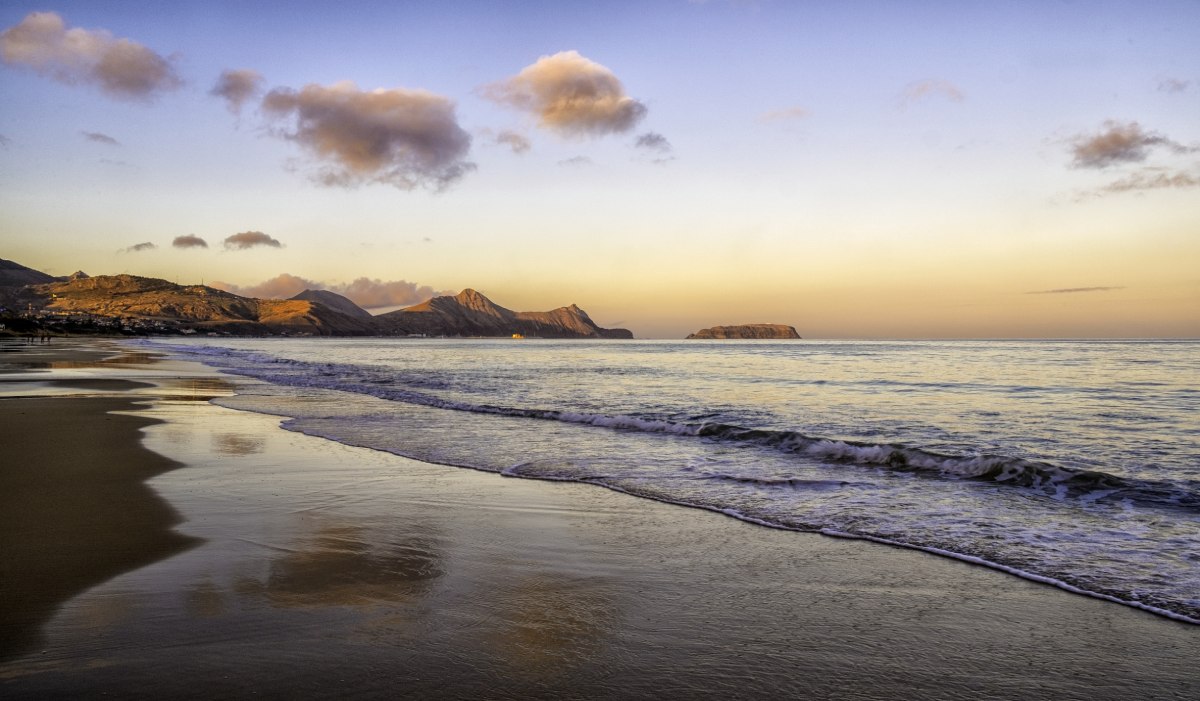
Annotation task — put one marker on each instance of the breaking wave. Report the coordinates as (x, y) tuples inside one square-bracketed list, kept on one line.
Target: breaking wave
[(1055, 481)]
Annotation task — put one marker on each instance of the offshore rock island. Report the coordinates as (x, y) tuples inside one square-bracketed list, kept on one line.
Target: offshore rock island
[(747, 331), (31, 300)]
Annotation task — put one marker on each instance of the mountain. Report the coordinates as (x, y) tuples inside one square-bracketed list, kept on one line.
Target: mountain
[(747, 331), (194, 306), (16, 275), (335, 302), (469, 313)]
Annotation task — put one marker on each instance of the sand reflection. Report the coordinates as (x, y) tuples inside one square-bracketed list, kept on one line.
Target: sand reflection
[(349, 565), (554, 622), (206, 600), (197, 389), (238, 444)]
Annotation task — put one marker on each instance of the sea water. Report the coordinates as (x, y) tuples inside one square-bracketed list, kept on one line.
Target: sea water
[(1075, 463)]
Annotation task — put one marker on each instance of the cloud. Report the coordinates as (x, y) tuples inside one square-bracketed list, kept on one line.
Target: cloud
[(515, 141), (4, 140), (100, 138), (237, 87), (1173, 85), (925, 89), (120, 68), (570, 95), (576, 162), (1119, 143), (370, 293), (786, 114), (1152, 179), (365, 292), (146, 246), (653, 141), (250, 239), (281, 286), (189, 241), (1073, 290), (403, 138)]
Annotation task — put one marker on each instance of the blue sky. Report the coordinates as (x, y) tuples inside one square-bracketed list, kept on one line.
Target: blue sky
[(853, 169)]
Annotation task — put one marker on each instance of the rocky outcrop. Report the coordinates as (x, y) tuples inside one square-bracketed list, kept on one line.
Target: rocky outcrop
[(469, 313), (335, 302), (748, 331)]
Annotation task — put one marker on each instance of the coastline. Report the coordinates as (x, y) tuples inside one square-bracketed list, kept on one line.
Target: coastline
[(308, 567)]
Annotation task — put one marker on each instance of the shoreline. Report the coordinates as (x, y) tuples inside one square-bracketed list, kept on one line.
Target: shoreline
[(322, 568)]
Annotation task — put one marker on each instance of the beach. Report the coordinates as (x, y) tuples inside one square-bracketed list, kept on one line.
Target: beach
[(155, 544)]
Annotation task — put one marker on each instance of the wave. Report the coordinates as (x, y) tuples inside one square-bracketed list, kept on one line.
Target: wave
[(1056, 481)]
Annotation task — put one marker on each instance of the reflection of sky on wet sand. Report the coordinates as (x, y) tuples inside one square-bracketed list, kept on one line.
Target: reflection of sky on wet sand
[(317, 549), (347, 565)]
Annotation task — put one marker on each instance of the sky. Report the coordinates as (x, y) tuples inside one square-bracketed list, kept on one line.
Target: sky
[(853, 169)]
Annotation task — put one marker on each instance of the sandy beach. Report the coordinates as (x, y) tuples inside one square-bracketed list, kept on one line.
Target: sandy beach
[(154, 544)]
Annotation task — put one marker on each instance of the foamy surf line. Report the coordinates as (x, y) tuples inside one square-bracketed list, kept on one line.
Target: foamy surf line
[(1056, 481)]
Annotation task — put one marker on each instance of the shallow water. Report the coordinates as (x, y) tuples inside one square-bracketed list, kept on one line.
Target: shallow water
[(1076, 463)]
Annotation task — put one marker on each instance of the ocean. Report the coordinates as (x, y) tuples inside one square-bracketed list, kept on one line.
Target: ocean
[(1073, 463)]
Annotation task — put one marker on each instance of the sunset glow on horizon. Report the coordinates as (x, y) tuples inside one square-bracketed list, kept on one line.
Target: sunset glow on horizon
[(864, 170)]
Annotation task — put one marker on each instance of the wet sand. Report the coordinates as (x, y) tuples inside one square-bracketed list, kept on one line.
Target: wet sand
[(321, 569), (74, 507)]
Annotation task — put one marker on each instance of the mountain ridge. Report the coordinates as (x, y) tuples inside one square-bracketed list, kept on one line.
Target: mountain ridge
[(147, 304)]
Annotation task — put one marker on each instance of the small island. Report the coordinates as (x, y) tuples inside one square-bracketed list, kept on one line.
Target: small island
[(747, 331)]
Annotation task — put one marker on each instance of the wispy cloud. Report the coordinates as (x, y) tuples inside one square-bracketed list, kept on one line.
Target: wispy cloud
[(189, 241), (137, 247), (1173, 85), (571, 95), (100, 138), (922, 90), (653, 141), (4, 140), (517, 142), (250, 239), (120, 68), (576, 162), (237, 87), (1152, 179), (787, 114), (1117, 143), (403, 138), (1074, 290)]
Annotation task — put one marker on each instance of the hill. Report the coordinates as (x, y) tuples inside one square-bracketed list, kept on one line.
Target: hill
[(469, 313), (335, 302), (16, 275), (193, 306)]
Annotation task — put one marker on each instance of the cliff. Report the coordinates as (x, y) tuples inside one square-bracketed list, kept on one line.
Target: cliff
[(469, 313), (747, 331)]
